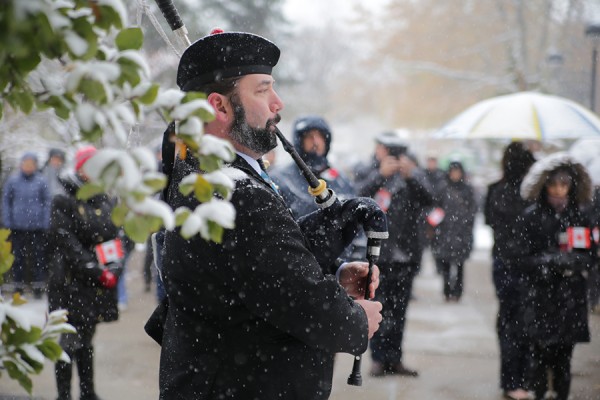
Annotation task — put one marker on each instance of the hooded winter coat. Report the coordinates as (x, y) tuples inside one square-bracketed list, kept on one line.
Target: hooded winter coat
[(556, 303), (504, 204), (253, 317), (77, 226), (291, 182)]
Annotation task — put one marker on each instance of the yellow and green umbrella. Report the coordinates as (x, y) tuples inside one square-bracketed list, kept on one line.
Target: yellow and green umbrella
[(524, 115)]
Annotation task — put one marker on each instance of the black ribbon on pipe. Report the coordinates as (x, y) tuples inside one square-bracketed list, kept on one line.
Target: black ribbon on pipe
[(168, 10)]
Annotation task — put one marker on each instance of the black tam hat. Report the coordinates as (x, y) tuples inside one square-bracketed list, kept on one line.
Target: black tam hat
[(223, 55)]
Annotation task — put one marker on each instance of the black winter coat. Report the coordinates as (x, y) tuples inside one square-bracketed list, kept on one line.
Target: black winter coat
[(77, 226), (453, 239), (556, 303), (404, 201), (503, 209), (253, 317)]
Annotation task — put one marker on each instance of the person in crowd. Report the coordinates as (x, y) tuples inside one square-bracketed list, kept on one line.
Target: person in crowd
[(122, 293), (502, 209), (594, 279), (258, 315), (556, 251), (26, 204), (312, 140), (437, 179), (435, 175), (84, 270), (453, 240), (402, 191), (52, 170)]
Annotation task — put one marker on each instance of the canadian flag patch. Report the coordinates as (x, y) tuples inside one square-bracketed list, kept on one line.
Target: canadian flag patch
[(110, 251), (435, 216), (383, 198), (579, 237)]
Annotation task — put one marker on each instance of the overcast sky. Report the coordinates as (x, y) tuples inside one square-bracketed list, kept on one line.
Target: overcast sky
[(318, 12)]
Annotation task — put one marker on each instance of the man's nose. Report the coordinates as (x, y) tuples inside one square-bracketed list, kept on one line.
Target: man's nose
[(277, 104)]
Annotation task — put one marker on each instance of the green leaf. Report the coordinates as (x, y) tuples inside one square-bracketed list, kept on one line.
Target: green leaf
[(137, 109), (27, 102), (156, 184), (107, 16), (221, 190), (130, 72), (6, 256), (50, 349), (186, 189), (35, 365), (94, 135), (92, 89), (135, 230), (150, 95), (21, 100), (118, 214), (203, 189), (86, 31), (210, 163), (88, 191), (181, 216), (130, 39), (204, 114), (28, 64), (21, 336), (190, 141), (190, 96), (140, 227), (215, 232), (47, 41), (21, 377), (59, 105)]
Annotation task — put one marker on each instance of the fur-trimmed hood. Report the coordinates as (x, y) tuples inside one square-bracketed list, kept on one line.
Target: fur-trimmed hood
[(534, 181)]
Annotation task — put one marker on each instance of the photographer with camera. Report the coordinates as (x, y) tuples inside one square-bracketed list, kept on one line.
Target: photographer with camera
[(401, 189)]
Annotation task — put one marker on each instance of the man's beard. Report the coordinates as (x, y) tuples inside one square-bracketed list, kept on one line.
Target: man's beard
[(259, 140)]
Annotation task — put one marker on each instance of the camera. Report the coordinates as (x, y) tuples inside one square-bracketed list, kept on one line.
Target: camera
[(396, 151)]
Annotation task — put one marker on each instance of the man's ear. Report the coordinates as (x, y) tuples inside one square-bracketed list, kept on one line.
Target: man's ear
[(220, 105)]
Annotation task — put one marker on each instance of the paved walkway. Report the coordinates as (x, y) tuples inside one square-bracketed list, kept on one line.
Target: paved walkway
[(452, 345)]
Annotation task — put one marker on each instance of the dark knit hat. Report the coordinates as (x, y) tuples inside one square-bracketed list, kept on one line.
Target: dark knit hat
[(223, 55), (56, 153)]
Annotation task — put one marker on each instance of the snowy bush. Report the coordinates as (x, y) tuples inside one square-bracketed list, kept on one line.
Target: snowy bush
[(24, 347), (102, 83), (79, 59)]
